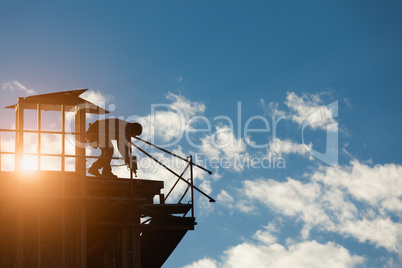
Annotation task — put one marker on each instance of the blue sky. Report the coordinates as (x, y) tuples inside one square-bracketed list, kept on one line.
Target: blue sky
[(283, 58)]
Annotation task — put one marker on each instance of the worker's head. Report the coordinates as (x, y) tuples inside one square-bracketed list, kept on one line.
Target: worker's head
[(134, 129)]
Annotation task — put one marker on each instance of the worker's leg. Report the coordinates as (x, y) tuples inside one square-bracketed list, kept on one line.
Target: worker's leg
[(123, 150), (103, 161), (107, 159), (98, 164)]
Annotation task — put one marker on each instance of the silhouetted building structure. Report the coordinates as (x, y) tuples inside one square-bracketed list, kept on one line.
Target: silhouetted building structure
[(64, 218)]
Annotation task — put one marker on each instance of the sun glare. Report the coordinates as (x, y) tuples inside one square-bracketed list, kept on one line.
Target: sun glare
[(30, 163)]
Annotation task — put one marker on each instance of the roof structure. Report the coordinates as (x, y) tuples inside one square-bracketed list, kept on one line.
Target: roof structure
[(53, 101)]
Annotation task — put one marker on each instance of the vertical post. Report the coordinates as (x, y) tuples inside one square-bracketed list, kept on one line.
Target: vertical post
[(63, 230), (124, 247), (0, 151), (39, 134), (20, 252), (39, 127), (75, 218), (192, 185), (19, 135), (63, 209), (135, 231), (80, 143), (136, 245), (130, 155), (39, 236), (63, 139), (19, 151), (80, 168), (83, 237)]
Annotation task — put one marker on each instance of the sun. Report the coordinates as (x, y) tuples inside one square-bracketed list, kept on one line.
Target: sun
[(30, 163)]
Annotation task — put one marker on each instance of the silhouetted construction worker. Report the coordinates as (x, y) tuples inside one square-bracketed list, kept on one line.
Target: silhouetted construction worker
[(101, 133)]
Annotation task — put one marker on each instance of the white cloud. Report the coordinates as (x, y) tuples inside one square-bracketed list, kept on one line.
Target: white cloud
[(381, 231), (223, 144), (347, 102), (304, 109), (272, 108), (167, 125), (328, 201), (96, 97), (266, 236), (307, 105), (170, 121), (245, 207), (290, 198), (380, 185), (224, 197), (17, 86), (187, 107), (204, 263), (266, 252), (279, 147)]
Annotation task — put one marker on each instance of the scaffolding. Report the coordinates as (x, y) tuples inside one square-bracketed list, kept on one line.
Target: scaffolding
[(64, 218)]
